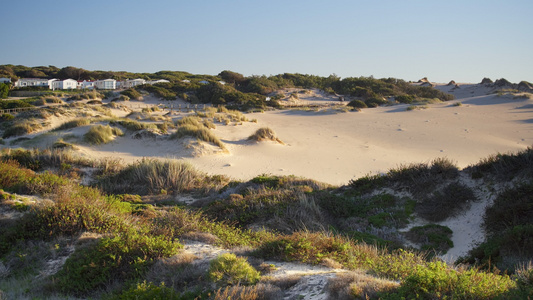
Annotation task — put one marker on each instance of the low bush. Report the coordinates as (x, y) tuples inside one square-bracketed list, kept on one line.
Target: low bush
[(431, 237), (132, 94), (200, 132), (22, 127), (357, 104), (116, 259), (265, 134), (150, 176), (91, 95), (436, 280), (407, 99), (7, 117), (73, 124), (9, 104), (420, 178), (177, 222), (375, 101), (505, 166), (441, 205), (228, 269), (100, 134), (147, 291), (133, 125)]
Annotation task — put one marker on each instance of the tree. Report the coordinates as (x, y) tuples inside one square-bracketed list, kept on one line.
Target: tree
[(232, 77), (4, 90)]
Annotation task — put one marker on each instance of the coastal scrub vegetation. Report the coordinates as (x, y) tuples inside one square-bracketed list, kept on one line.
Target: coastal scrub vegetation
[(123, 235), (238, 91)]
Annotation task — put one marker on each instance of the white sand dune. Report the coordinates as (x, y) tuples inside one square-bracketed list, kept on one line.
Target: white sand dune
[(335, 148)]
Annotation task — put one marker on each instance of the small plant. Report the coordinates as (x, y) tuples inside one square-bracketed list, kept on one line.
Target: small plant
[(100, 134), (148, 291), (74, 123), (265, 134), (416, 107), (407, 99), (458, 104), (7, 117), (357, 104), (201, 132), (228, 269)]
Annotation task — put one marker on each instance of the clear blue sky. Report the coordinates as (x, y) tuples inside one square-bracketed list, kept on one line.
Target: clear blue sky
[(443, 40)]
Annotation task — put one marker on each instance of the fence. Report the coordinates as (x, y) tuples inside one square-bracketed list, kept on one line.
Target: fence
[(16, 110)]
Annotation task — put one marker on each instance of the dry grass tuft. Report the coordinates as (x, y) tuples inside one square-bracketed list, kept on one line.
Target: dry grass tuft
[(265, 134), (100, 134), (195, 127), (259, 291), (357, 285)]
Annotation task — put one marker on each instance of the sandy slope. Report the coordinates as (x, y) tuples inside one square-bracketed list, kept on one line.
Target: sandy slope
[(335, 148)]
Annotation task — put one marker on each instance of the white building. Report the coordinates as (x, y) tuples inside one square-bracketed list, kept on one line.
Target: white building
[(106, 84), (5, 80), (132, 82), (34, 82), (67, 84), (86, 84)]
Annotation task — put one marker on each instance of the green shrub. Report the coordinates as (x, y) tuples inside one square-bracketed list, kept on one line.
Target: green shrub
[(375, 101), (268, 180), (454, 198), (119, 258), (91, 95), (506, 166), (438, 281), (9, 104), (423, 177), (132, 94), (228, 269), (407, 99), (100, 134), (148, 291), (431, 237), (7, 117), (357, 104)]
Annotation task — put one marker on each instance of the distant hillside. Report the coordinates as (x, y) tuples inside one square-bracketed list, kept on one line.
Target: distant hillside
[(242, 92)]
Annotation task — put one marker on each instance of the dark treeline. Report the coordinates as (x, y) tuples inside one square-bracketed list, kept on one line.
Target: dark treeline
[(234, 89)]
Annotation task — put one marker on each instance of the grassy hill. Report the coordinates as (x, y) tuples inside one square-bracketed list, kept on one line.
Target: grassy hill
[(125, 234)]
